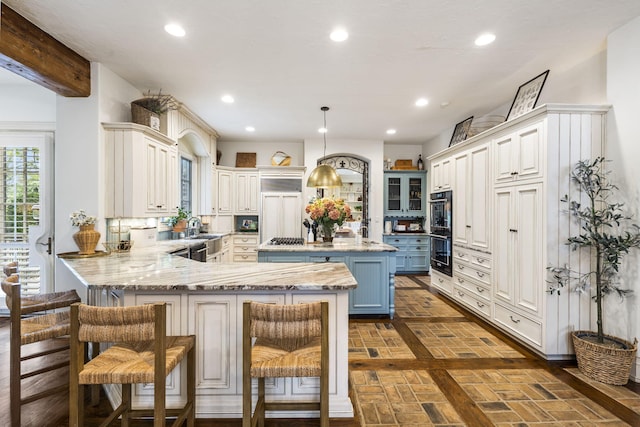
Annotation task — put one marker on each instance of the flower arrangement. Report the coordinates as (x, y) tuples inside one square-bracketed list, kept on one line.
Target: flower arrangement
[(80, 218), (327, 212)]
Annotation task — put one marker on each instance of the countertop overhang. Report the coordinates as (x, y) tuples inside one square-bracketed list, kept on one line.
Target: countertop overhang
[(338, 245), (154, 269)]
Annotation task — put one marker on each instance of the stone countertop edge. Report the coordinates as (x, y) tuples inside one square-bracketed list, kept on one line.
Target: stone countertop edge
[(348, 246), (154, 269)]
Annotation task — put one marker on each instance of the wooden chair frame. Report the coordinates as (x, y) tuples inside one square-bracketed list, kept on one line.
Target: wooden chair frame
[(19, 307), (257, 419), (159, 412)]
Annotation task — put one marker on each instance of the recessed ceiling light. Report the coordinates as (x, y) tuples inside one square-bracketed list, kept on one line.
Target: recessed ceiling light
[(175, 30), (323, 130), (228, 99), (250, 129), (485, 39), (421, 102), (391, 131), (339, 35), (444, 104)]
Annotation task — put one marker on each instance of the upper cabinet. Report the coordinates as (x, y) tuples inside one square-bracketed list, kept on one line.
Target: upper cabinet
[(141, 169), (441, 175), (225, 192), (405, 193), (246, 191), (518, 155)]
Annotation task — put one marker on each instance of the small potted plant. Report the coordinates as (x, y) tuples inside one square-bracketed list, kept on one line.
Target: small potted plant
[(147, 110), (179, 222), (608, 235)]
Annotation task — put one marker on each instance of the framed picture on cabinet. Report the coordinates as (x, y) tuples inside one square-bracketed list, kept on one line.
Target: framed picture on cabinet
[(527, 96), (461, 131)]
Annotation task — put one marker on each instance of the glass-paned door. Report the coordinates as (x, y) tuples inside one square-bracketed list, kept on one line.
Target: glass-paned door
[(26, 207)]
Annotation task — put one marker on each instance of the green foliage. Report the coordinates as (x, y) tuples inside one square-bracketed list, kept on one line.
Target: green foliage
[(605, 230), (158, 103), (182, 214)]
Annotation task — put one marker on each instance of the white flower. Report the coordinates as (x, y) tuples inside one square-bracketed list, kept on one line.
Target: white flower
[(80, 217)]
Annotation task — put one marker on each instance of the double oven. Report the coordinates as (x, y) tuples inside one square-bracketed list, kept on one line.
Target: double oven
[(440, 231)]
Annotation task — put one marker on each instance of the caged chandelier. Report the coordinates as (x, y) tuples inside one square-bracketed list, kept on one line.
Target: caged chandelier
[(324, 176)]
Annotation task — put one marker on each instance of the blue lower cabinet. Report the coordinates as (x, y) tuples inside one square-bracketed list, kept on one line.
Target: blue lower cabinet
[(374, 272), (413, 252)]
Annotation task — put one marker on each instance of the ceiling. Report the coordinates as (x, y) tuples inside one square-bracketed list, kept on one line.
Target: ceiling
[(276, 59)]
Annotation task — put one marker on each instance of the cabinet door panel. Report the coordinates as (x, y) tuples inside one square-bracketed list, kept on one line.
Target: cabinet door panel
[(503, 152), (529, 151), (152, 164), (478, 212), (212, 318), (393, 192), (503, 284), (291, 215), (460, 195), (371, 294), (225, 182), (528, 247)]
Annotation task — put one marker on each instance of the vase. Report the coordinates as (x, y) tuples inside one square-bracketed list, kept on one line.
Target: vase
[(327, 232), (87, 239)]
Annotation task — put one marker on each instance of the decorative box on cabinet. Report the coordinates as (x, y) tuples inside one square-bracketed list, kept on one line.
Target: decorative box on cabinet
[(413, 252), (141, 169), (405, 193)]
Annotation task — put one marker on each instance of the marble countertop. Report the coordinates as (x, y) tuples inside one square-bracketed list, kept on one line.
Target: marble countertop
[(153, 268), (338, 245)]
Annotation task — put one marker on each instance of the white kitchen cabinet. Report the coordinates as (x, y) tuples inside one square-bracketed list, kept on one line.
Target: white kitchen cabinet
[(471, 197), (225, 192), (281, 215), (246, 193), (141, 172), (518, 155), (441, 175), (245, 247), (507, 183), (519, 279)]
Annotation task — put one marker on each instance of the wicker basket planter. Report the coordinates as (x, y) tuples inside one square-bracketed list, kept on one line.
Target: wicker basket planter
[(142, 116), (606, 363)]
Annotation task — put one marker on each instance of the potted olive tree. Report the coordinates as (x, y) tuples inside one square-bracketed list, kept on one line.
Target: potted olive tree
[(607, 233)]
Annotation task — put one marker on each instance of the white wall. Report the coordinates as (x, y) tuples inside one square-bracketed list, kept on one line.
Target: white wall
[(371, 150), (27, 102), (623, 91), (584, 83), (263, 150), (403, 151)]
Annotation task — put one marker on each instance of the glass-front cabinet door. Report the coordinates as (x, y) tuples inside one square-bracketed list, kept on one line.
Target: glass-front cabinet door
[(404, 193)]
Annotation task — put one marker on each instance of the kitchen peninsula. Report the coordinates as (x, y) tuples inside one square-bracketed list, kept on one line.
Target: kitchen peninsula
[(206, 299), (373, 264)]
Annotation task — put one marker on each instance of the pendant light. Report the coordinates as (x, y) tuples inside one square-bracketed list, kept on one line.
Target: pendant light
[(324, 176)]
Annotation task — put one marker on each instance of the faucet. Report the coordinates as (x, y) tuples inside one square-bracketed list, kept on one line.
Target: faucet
[(193, 226)]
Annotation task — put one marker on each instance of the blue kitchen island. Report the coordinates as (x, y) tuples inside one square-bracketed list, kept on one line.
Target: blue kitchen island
[(373, 264)]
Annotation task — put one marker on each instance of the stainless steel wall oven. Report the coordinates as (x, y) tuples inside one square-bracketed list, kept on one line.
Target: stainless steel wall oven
[(441, 227)]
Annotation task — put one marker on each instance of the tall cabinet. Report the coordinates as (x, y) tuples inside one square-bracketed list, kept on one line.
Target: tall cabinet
[(509, 223)]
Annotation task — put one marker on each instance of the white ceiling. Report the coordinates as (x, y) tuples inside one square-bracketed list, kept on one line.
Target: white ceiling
[(276, 59)]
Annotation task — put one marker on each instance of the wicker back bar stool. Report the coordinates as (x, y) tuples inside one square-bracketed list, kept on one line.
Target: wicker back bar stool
[(290, 341), (141, 353), (34, 319)]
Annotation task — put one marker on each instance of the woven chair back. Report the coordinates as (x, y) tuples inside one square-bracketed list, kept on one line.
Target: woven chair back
[(116, 324), (286, 322), (7, 284)]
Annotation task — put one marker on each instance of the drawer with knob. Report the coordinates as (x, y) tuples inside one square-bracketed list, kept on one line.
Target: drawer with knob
[(480, 306), (442, 282), (471, 286)]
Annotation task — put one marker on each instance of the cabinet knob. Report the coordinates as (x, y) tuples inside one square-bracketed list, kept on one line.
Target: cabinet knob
[(461, 294), (468, 226), (480, 304), (460, 280), (327, 258), (513, 230), (514, 173), (479, 260), (481, 275), (514, 320), (479, 289)]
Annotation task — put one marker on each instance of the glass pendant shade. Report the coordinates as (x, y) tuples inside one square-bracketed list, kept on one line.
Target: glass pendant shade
[(324, 176)]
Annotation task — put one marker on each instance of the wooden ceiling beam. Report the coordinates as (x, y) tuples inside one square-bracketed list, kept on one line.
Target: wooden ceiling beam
[(33, 54)]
